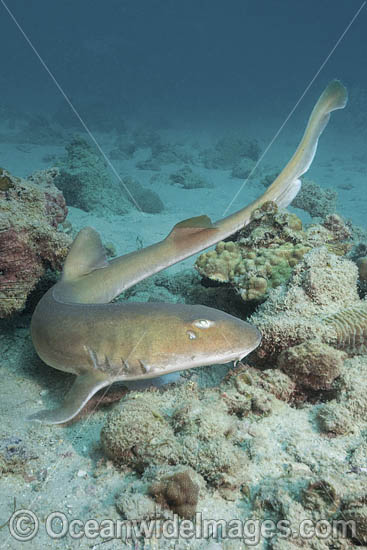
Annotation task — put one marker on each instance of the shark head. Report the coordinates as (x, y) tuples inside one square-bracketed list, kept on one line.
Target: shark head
[(196, 335)]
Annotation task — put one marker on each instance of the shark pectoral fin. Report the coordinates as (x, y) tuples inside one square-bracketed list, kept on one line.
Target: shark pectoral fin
[(84, 387)]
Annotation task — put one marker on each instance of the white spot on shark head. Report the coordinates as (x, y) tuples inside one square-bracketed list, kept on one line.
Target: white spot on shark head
[(203, 323)]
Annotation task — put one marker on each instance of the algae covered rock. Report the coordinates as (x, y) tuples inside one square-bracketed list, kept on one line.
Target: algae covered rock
[(312, 365), (315, 200), (229, 151), (178, 492), (146, 199), (321, 285), (138, 435), (182, 427), (188, 179), (334, 418), (86, 181), (30, 212)]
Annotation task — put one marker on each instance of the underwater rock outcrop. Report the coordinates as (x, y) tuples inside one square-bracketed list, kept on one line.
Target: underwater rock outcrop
[(178, 493), (84, 178), (31, 210), (229, 152), (316, 200), (322, 287), (312, 365), (264, 254), (147, 200), (362, 273), (88, 184), (190, 429), (187, 179)]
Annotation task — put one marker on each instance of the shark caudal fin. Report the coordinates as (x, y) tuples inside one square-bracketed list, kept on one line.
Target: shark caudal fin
[(286, 186)]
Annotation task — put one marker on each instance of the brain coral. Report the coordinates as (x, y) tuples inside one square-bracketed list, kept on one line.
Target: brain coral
[(29, 241), (266, 251)]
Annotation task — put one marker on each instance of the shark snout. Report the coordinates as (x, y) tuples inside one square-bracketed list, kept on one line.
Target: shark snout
[(242, 337), (218, 337)]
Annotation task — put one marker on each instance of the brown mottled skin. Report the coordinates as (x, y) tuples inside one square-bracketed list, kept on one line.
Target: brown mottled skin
[(75, 328)]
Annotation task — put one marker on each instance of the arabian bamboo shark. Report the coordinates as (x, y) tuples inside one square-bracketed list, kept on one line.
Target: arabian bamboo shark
[(75, 329)]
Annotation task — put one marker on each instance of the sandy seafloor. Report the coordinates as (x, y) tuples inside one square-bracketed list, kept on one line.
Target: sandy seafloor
[(61, 469)]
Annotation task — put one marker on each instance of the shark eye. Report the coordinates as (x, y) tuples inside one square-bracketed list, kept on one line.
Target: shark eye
[(203, 323), (191, 334)]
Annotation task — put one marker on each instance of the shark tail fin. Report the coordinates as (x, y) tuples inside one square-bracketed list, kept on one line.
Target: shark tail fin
[(86, 255), (286, 186)]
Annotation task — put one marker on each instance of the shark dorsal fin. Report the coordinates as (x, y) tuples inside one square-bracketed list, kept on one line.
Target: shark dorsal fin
[(86, 255)]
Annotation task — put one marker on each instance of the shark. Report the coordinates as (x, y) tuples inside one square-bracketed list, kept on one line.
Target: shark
[(75, 328)]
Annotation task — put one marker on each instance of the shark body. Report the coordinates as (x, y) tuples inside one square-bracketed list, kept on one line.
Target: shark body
[(76, 329)]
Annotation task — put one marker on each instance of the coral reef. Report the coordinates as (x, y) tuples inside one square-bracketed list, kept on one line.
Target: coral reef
[(350, 326), (277, 464), (147, 199), (83, 174), (267, 250), (187, 179), (243, 169), (315, 200), (29, 241), (229, 152), (312, 365), (191, 429), (321, 285)]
